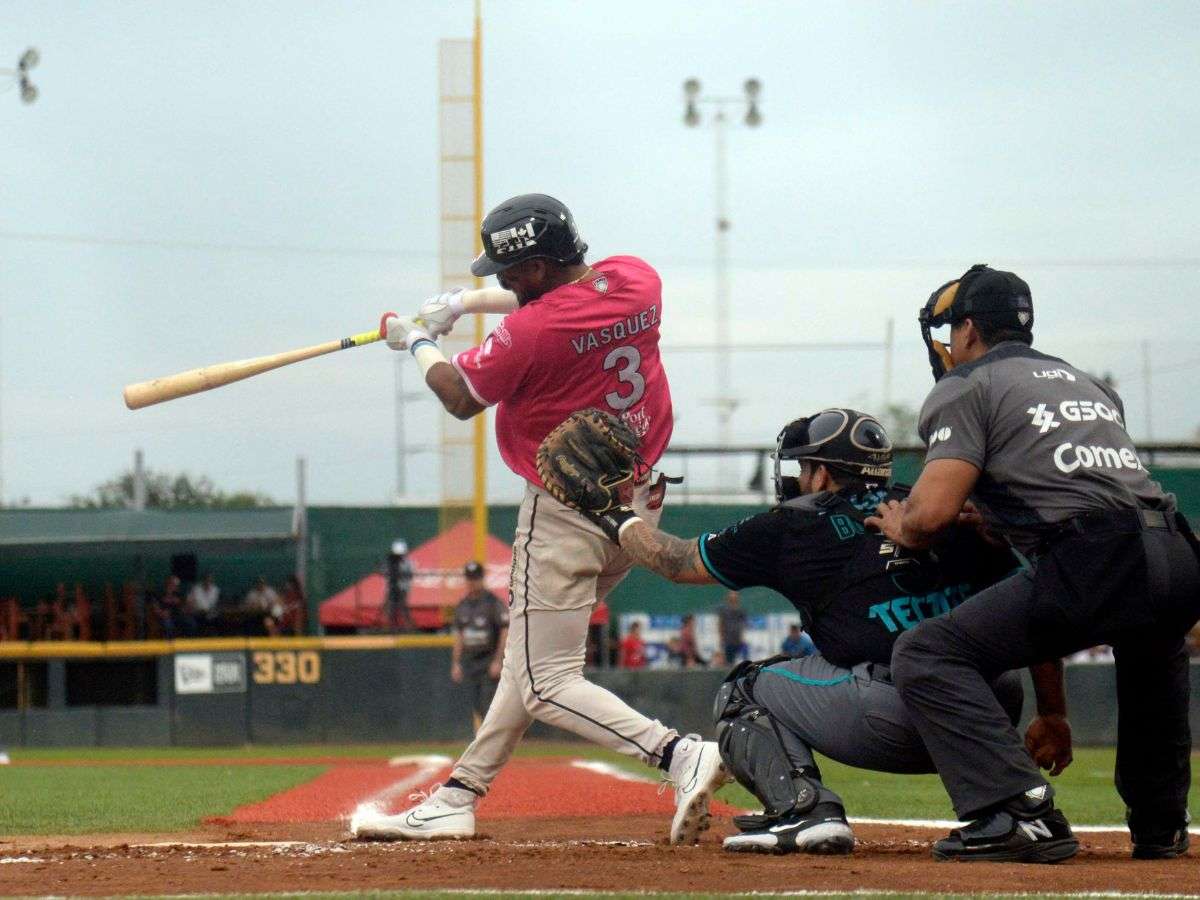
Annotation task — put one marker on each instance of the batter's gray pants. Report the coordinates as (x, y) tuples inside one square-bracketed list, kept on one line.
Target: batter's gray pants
[(853, 716)]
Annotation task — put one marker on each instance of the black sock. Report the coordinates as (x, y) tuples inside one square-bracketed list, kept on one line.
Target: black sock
[(668, 753), (455, 783)]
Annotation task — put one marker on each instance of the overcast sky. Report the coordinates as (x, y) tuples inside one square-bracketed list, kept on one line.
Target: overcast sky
[(209, 181)]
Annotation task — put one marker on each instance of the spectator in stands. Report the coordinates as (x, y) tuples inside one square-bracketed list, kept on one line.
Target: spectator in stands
[(295, 608), (263, 608), (633, 648), (675, 657), (797, 643), (171, 611), (202, 601), (731, 623), (687, 643), (480, 629), (1193, 640), (597, 636)]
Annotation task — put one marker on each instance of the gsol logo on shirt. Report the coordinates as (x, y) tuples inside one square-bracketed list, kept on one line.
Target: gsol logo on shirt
[(1042, 417), (1088, 411)]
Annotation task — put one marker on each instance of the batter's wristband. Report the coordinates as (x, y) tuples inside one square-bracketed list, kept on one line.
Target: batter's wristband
[(426, 353)]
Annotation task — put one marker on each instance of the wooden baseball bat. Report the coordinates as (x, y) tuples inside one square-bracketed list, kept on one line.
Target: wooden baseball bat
[(193, 381)]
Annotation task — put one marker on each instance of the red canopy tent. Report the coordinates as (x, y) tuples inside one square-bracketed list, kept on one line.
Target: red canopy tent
[(438, 583)]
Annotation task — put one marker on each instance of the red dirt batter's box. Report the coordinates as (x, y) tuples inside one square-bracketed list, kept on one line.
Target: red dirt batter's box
[(552, 787)]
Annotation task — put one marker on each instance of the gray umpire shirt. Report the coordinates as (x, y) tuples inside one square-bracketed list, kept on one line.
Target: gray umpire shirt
[(1048, 438)]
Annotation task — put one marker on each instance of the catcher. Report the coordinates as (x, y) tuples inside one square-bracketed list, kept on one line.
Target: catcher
[(856, 593)]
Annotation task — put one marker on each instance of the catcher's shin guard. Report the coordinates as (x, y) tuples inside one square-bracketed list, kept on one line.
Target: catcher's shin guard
[(753, 752)]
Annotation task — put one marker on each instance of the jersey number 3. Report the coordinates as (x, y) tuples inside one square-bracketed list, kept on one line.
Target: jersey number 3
[(626, 361)]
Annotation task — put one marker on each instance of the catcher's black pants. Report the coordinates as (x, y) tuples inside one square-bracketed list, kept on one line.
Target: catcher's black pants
[(1117, 583)]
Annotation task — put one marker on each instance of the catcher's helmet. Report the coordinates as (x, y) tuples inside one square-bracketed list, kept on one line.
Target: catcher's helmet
[(841, 439), (979, 293), (530, 226)]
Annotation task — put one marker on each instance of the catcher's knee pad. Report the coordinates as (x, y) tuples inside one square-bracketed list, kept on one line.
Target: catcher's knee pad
[(751, 748)]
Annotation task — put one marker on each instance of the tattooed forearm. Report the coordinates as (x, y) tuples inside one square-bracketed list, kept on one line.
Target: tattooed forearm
[(675, 559)]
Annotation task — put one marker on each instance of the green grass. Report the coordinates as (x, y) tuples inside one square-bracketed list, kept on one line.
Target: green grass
[(592, 895), (67, 800), (99, 798)]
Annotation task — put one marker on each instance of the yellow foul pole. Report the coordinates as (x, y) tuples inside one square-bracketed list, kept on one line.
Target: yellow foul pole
[(480, 505)]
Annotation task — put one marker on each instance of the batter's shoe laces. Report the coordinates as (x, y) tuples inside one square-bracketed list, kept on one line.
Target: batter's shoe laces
[(696, 773), (823, 829), (440, 813), (1158, 841), (1026, 829)]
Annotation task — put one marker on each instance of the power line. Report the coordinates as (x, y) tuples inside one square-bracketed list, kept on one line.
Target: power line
[(214, 246)]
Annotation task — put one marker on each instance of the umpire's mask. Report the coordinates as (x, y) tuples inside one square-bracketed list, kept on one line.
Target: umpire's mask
[(979, 293), (842, 439)]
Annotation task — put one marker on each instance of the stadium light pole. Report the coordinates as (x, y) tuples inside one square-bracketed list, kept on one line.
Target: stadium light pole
[(725, 401), (29, 60)]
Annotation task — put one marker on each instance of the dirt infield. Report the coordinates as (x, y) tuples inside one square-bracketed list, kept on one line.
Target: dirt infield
[(537, 831)]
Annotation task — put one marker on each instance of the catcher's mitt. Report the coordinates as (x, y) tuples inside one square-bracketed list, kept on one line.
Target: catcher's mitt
[(588, 461)]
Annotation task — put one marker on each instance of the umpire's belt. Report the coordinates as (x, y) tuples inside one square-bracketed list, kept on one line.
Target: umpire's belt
[(1114, 521)]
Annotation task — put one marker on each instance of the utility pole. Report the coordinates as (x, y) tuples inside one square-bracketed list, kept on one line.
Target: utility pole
[(725, 401)]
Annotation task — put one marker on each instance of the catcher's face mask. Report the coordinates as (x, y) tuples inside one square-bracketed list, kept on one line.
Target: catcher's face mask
[(842, 439), (980, 292)]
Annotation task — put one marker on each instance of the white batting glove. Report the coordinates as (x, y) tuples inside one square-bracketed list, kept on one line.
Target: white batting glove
[(439, 313), (401, 332)]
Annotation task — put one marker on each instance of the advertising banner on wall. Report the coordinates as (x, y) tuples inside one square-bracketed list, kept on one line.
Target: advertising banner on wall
[(210, 673)]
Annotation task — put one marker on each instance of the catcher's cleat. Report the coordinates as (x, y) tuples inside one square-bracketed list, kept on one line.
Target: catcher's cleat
[(697, 772), (444, 814), (821, 830), (1019, 831)]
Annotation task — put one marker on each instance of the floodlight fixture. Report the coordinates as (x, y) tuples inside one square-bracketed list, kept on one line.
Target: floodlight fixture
[(691, 88), (29, 60), (752, 87), (29, 92)]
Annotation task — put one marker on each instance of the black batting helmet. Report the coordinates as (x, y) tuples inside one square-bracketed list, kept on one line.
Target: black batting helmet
[(841, 439), (530, 226)]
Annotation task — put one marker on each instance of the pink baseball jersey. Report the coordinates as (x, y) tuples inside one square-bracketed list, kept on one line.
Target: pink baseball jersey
[(591, 343)]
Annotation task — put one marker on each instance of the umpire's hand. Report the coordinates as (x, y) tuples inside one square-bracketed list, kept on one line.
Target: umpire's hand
[(1048, 740)]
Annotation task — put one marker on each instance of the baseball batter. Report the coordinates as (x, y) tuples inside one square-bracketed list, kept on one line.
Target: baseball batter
[(577, 335)]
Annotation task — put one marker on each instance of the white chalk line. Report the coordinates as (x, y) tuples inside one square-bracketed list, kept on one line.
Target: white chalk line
[(603, 768)]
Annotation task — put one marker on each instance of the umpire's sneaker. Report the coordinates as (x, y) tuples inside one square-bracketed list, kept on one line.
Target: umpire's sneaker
[(697, 772), (1156, 841), (1025, 829), (823, 829), (446, 813)]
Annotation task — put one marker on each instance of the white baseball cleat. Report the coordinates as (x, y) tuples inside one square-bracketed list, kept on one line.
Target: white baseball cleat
[(444, 814), (697, 772), (823, 830)]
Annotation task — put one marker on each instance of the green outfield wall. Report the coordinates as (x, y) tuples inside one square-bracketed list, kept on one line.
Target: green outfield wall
[(346, 543), (339, 690)]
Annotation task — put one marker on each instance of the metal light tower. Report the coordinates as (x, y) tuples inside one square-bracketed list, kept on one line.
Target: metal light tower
[(725, 402), (29, 60)]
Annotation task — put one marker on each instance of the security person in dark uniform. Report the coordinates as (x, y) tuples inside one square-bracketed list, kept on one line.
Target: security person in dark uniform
[(1041, 449), (480, 627), (856, 593)]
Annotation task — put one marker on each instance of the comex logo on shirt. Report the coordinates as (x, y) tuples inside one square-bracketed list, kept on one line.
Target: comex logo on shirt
[(942, 434)]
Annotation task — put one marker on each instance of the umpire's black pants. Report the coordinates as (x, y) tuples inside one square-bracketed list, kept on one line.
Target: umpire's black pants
[(1138, 590)]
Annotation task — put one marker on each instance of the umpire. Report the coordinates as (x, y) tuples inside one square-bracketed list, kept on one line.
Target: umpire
[(856, 593), (1041, 448), (480, 627)]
